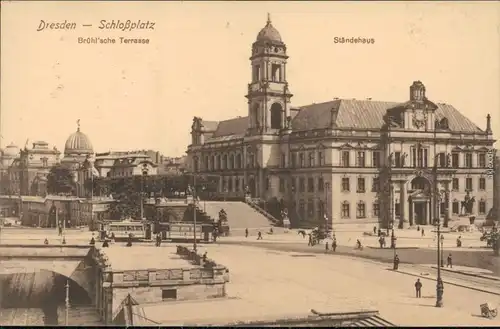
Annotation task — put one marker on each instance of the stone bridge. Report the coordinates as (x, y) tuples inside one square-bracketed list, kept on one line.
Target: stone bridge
[(73, 262)]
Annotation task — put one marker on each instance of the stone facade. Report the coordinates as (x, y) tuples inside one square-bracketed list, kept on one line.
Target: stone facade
[(152, 285), (355, 161)]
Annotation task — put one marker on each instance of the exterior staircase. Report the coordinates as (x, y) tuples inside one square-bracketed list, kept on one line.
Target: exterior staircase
[(240, 216), (255, 205)]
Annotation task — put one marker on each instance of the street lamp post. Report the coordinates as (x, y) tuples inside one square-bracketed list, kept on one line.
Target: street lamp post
[(144, 174), (437, 220), (194, 212), (442, 250), (67, 302)]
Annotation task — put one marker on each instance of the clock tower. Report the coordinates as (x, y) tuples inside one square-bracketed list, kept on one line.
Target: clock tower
[(419, 111), (268, 94)]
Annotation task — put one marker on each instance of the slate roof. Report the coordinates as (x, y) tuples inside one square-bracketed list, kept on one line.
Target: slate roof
[(346, 113), (236, 126)]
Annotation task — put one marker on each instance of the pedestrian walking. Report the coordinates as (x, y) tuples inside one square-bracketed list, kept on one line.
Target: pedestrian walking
[(105, 244), (418, 289), (396, 262), (204, 257), (449, 262), (259, 235), (374, 230), (327, 247), (334, 244), (423, 232), (310, 243), (92, 241), (381, 241), (246, 233), (46, 241)]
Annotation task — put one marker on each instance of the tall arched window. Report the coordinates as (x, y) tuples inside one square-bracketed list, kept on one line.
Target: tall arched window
[(276, 114), (255, 115), (238, 161), (360, 210)]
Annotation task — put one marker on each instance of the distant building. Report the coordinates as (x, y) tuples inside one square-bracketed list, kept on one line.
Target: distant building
[(27, 173), (172, 166), (124, 164)]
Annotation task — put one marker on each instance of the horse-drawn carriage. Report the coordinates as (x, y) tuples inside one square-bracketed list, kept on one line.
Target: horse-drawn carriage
[(488, 311)]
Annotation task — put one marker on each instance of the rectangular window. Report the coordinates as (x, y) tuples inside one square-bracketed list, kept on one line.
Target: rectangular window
[(361, 185), (455, 186), (482, 184), (360, 210), (345, 159), (360, 159), (283, 160), (256, 73), (345, 184), (310, 184), (345, 213), (375, 184), (455, 160), (442, 160), (169, 294), (301, 160), (481, 159), (468, 184), (376, 159), (237, 184), (321, 158), (482, 207), (302, 209), (321, 184), (294, 160), (397, 159), (282, 186), (468, 160), (310, 208), (376, 209), (302, 185), (311, 159)]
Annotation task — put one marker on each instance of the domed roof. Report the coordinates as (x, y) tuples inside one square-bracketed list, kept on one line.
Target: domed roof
[(11, 151), (269, 33), (78, 143)]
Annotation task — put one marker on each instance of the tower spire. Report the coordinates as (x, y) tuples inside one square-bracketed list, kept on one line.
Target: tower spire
[(78, 125), (268, 19)]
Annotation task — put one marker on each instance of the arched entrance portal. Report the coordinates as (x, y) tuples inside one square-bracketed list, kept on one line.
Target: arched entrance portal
[(420, 201)]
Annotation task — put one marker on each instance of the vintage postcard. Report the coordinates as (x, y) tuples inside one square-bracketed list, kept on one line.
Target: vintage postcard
[(204, 163)]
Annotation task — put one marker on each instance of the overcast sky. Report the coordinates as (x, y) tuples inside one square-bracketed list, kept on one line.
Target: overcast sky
[(138, 96)]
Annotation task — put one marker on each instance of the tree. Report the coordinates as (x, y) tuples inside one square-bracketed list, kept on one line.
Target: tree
[(60, 180), (127, 197)]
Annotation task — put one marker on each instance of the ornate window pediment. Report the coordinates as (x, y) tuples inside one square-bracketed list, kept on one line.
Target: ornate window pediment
[(346, 146)]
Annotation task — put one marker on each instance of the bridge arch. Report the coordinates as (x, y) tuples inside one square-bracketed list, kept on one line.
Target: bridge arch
[(75, 271)]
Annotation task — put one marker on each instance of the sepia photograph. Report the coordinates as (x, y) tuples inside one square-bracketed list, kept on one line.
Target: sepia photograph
[(249, 163)]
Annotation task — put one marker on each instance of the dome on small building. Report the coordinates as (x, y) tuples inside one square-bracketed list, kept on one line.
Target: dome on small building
[(11, 151), (269, 33), (78, 143)]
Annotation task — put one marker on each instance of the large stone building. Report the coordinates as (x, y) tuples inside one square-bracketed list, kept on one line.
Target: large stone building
[(28, 168), (352, 160), (124, 164)]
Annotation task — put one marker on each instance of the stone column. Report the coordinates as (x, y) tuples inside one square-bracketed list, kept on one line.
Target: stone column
[(430, 212), (448, 204), (402, 202)]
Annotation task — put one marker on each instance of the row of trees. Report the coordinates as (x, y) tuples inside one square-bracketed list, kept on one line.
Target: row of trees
[(129, 191)]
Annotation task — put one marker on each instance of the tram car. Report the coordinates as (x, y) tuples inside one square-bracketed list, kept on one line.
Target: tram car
[(184, 232), (122, 230)]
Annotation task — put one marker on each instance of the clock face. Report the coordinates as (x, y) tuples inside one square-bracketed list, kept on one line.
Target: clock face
[(418, 119)]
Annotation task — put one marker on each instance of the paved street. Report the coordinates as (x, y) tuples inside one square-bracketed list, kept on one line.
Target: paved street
[(333, 283), (410, 247)]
